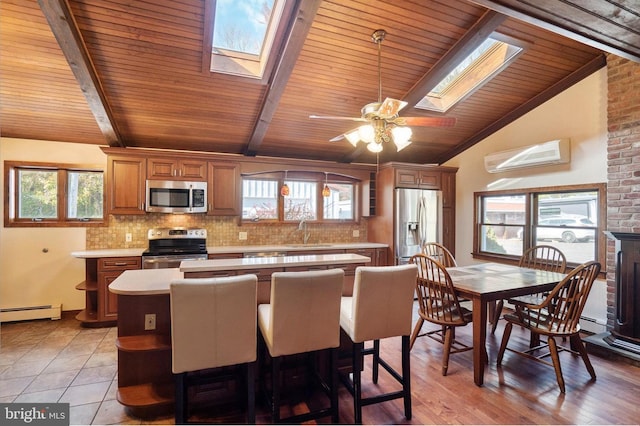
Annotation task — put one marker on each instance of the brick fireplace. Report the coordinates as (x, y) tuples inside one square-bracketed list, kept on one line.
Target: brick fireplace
[(623, 198)]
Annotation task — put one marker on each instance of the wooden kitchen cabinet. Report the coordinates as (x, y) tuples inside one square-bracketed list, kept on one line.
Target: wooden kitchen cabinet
[(416, 178), (145, 379), (101, 306), (224, 190), (126, 184), (176, 169)]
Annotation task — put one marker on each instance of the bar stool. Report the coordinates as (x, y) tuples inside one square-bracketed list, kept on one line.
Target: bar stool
[(303, 316), (381, 307), (213, 324)]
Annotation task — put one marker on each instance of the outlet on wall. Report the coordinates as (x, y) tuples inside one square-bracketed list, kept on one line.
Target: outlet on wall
[(150, 321), (127, 237), (356, 233), (242, 235)]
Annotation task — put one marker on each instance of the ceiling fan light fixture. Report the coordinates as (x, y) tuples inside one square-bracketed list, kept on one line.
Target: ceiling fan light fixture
[(401, 137), (366, 133), (375, 147), (353, 137)]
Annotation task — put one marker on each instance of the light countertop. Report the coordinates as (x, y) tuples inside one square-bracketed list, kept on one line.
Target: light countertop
[(271, 262), (287, 248), (139, 282)]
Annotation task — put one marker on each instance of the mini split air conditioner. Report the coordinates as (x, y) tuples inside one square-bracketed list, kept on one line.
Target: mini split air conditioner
[(543, 154)]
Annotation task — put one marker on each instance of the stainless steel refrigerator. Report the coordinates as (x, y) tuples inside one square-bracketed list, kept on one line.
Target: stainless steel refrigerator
[(418, 220)]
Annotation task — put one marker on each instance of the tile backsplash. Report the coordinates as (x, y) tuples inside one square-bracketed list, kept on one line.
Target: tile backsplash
[(221, 231)]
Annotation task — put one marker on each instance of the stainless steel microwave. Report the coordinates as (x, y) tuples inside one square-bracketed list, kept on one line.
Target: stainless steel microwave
[(176, 196)]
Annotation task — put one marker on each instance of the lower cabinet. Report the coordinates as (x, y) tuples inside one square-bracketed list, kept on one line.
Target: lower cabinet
[(101, 306), (145, 378)]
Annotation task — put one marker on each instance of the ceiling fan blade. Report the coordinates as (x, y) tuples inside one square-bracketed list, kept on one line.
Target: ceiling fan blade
[(425, 121), (337, 138), (390, 107), (333, 117)]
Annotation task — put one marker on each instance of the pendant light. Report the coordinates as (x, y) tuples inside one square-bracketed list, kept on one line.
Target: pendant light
[(284, 189), (326, 191)]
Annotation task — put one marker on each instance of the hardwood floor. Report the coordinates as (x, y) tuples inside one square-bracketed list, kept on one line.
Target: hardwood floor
[(59, 361)]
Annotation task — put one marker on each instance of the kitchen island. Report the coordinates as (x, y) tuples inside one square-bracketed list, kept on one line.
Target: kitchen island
[(145, 380)]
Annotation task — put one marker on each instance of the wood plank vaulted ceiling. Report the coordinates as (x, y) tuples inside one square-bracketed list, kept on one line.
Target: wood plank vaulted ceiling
[(130, 74)]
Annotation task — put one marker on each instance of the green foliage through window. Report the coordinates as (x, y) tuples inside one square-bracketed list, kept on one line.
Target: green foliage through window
[(53, 194)]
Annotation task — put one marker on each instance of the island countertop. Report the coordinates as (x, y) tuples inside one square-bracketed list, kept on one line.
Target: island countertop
[(271, 262), (139, 282)]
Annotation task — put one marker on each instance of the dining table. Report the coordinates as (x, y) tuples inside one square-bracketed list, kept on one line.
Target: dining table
[(484, 283)]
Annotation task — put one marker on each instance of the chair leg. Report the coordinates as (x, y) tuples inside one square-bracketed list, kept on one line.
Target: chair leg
[(376, 361), (503, 345), (181, 399), (576, 342), (416, 331), (251, 392), (406, 376), (496, 315), (553, 349), (275, 389), (448, 340), (357, 382)]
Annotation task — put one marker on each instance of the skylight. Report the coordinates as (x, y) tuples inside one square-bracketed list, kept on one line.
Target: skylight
[(486, 61), (243, 35)]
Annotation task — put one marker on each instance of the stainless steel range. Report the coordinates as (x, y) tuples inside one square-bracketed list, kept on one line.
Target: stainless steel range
[(170, 246)]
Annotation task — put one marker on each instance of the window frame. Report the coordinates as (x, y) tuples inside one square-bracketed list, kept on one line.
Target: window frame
[(319, 178), (531, 220), (11, 219)]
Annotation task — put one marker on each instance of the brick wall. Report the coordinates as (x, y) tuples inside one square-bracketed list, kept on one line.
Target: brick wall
[(623, 159)]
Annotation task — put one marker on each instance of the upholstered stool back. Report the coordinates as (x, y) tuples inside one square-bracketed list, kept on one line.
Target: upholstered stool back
[(213, 322)]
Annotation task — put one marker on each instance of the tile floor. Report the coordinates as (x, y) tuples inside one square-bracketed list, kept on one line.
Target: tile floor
[(60, 361)]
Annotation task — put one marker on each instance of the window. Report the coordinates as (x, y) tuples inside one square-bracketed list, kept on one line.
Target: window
[(262, 199), (486, 61), (53, 194), (243, 34), (571, 219)]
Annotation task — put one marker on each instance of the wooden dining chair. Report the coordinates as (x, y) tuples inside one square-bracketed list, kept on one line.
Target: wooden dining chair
[(440, 253), (542, 257), (438, 304), (557, 315)]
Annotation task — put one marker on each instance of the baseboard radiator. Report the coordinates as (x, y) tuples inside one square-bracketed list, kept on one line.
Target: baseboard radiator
[(31, 313)]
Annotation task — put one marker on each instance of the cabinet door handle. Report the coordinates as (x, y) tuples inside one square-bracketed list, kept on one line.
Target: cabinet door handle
[(120, 264)]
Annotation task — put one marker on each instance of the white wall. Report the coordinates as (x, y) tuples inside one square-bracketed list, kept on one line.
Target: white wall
[(29, 276), (579, 113)]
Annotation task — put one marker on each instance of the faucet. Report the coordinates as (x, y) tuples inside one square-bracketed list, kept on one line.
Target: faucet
[(302, 226)]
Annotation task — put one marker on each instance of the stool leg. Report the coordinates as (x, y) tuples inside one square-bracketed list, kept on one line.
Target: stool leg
[(406, 376), (376, 360), (357, 382), (251, 392), (275, 389), (181, 399), (333, 378)]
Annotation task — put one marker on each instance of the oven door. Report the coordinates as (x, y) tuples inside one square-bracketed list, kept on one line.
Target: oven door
[(169, 261)]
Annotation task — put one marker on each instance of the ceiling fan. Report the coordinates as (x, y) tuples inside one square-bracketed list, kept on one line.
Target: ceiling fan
[(383, 123)]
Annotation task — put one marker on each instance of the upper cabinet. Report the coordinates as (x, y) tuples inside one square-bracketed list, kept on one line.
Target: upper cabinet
[(416, 178), (224, 189), (176, 169), (126, 184)]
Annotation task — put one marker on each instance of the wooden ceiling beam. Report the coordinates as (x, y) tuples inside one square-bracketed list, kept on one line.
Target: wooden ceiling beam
[(301, 24), (580, 21), (65, 29), (583, 72)]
